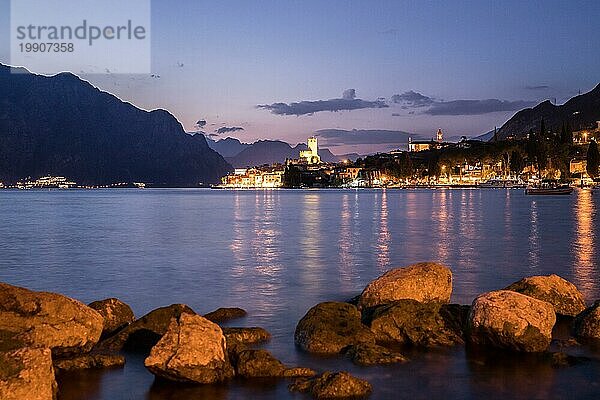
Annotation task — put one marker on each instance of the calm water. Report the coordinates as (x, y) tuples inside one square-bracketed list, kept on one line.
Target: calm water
[(277, 253)]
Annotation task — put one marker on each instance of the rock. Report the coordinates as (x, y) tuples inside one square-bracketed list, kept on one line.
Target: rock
[(415, 323), (372, 354), (145, 332), (511, 320), (587, 324), (116, 314), (424, 282), (553, 289), (299, 372), (329, 327), (252, 363), (89, 361), (330, 385), (247, 335), (193, 349), (49, 320), (27, 373), (225, 314)]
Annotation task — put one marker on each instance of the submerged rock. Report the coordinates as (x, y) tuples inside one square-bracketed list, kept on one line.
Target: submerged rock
[(553, 289), (89, 361), (27, 374), (333, 385), (193, 349), (418, 324), (298, 372), (329, 327), (247, 335), (145, 332), (424, 282), (252, 363), (225, 314), (54, 321), (372, 354), (587, 324), (511, 320), (116, 314)]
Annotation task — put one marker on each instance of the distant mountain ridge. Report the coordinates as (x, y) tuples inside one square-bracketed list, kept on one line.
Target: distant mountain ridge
[(578, 112), (261, 152), (62, 125)]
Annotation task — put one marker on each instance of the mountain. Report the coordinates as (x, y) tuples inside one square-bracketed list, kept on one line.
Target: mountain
[(229, 147), (62, 125), (578, 112), (486, 137), (273, 151)]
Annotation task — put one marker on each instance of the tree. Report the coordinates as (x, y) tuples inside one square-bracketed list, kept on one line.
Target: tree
[(543, 129), (516, 162), (405, 166), (593, 159)]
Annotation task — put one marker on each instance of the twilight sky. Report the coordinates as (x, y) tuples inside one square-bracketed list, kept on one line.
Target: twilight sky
[(278, 68)]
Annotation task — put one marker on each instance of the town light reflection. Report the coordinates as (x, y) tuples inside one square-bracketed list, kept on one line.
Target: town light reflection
[(383, 240), (584, 246), (534, 238)]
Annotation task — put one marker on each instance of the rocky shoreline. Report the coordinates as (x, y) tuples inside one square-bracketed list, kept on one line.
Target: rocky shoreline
[(43, 334)]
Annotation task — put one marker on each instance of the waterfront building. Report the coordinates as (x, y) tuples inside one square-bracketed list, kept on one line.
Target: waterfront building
[(254, 178), (422, 145), (46, 182)]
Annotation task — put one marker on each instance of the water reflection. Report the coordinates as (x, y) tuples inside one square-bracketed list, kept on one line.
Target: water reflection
[(443, 224), (310, 240), (534, 237), (583, 246), (345, 243), (383, 239)]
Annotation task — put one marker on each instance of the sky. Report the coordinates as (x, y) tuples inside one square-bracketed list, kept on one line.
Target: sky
[(289, 69)]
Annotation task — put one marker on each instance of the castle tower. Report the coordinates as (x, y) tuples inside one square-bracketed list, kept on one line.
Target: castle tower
[(311, 156), (439, 136), (312, 146)]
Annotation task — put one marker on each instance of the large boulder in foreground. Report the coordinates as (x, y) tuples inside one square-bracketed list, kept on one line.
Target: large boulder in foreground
[(510, 320), (116, 314), (587, 324), (424, 282), (145, 332), (333, 385), (414, 323), (329, 327), (553, 289), (27, 374), (192, 350), (50, 320)]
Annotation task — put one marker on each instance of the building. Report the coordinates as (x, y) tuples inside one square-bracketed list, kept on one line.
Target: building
[(422, 145), (254, 178), (311, 156), (583, 136)]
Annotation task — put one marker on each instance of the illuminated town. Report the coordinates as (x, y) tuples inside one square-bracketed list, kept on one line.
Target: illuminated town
[(435, 163)]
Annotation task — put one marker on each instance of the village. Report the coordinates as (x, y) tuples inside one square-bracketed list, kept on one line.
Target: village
[(436, 163)]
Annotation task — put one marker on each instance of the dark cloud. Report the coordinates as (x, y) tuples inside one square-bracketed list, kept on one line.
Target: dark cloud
[(340, 137), (396, 115), (476, 107), (412, 99), (200, 124), (213, 135), (226, 129), (538, 87), (347, 102)]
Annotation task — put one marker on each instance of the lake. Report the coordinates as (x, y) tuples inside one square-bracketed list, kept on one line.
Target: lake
[(277, 253)]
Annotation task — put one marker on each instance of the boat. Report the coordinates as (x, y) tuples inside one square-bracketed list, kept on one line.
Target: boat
[(503, 183), (549, 188)]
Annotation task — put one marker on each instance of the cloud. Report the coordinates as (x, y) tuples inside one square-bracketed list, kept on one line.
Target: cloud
[(200, 124), (396, 115), (412, 99), (346, 103), (476, 107), (538, 87), (226, 129), (340, 137), (213, 135)]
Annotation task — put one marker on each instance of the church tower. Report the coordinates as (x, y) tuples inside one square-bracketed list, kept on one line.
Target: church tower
[(439, 136)]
